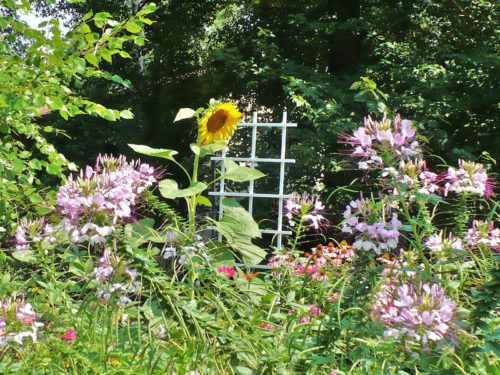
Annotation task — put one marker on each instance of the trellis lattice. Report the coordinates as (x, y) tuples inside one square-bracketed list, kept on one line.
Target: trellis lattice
[(253, 159)]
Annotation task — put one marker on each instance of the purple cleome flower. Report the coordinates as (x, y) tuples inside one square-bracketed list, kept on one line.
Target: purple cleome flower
[(483, 234), (309, 207), (371, 230), (415, 176), (30, 232), (109, 271), (93, 203), (376, 139), (469, 178), (423, 313), (438, 242), (17, 322)]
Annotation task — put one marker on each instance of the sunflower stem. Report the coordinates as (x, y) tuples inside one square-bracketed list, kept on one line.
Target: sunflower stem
[(192, 205)]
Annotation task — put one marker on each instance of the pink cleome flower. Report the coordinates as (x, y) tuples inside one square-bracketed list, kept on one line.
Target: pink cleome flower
[(469, 178), (92, 203), (377, 138)]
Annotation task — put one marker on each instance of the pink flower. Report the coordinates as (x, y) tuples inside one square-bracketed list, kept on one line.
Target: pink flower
[(311, 269), (469, 178), (307, 209), (305, 319), (229, 271), (422, 312), (91, 204), (32, 232), (315, 311), (378, 236), (267, 326), (377, 138), (69, 336), (333, 297), (483, 234)]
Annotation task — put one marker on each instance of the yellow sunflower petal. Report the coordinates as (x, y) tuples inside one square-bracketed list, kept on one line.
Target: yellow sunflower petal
[(219, 123)]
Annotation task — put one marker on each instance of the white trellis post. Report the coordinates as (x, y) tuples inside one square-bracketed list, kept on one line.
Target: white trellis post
[(253, 160)]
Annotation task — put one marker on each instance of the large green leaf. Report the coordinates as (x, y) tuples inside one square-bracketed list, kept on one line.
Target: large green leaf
[(143, 231), (239, 228), (184, 113), (212, 148), (26, 256), (156, 152), (240, 174), (209, 149), (170, 190)]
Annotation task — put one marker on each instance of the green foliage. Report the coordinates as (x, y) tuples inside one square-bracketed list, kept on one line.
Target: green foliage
[(42, 70), (239, 228)]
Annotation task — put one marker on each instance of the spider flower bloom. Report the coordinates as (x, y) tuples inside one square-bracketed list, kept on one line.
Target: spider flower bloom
[(91, 204), (229, 271), (376, 139), (105, 270), (372, 231), (437, 242), (17, 322), (31, 232), (306, 209), (469, 178), (414, 176), (423, 313), (218, 123), (483, 234)]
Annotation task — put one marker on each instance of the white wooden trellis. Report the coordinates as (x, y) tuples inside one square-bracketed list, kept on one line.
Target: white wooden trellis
[(253, 159)]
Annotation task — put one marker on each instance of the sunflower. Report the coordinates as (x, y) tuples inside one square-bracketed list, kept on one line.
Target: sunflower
[(218, 123)]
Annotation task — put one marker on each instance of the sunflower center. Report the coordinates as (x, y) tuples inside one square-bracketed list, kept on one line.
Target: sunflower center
[(217, 121)]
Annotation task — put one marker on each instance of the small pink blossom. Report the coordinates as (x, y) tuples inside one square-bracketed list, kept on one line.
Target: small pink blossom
[(69, 336), (267, 326), (333, 297), (304, 319), (229, 271), (315, 311)]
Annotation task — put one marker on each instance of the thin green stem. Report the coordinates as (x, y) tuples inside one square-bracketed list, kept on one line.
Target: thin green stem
[(192, 203)]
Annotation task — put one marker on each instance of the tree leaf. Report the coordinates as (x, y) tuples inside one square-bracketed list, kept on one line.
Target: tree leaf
[(133, 27), (126, 114), (184, 113), (156, 152), (92, 59)]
